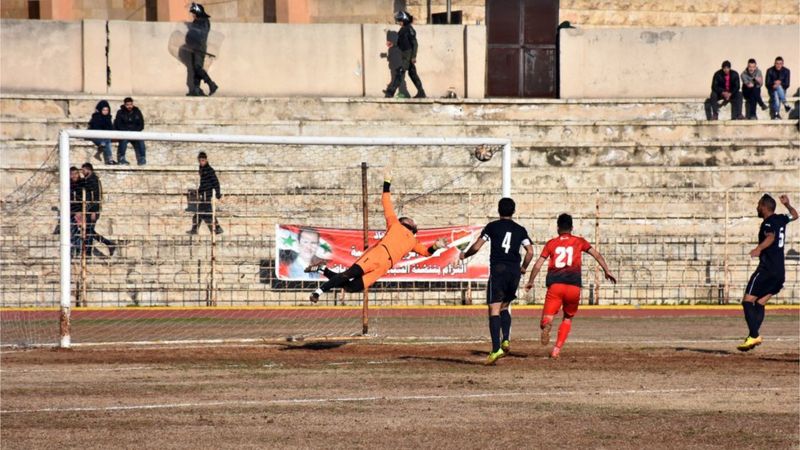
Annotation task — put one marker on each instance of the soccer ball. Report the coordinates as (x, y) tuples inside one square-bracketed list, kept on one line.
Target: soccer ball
[(483, 153)]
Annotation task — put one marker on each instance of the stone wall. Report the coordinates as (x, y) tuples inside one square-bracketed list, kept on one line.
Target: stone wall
[(582, 13), (251, 59), (666, 62)]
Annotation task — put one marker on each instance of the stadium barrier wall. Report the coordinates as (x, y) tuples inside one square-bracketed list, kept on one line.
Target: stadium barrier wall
[(667, 62), (253, 59)]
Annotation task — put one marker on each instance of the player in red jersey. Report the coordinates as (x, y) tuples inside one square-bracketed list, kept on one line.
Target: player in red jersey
[(563, 279)]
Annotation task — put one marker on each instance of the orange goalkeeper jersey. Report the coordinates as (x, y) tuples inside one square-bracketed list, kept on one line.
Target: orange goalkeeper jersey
[(398, 239)]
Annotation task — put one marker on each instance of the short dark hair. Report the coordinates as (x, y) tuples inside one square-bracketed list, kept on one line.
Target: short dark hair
[(751, 61), (87, 165), (127, 99), (778, 59), (506, 207), (307, 231), (564, 222), (726, 63), (768, 201), (202, 155), (73, 169)]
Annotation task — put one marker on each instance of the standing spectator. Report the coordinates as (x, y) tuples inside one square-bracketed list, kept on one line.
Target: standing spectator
[(76, 219), (197, 47), (752, 80), (208, 184), (778, 78), (75, 211), (94, 204), (407, 43), (101, 120), (725, 87), (129, 118)]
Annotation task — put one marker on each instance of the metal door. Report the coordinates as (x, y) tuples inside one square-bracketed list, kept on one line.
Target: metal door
[(521, 60)]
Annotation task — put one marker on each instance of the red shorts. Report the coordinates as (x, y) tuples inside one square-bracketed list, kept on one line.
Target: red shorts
[(559, 295)]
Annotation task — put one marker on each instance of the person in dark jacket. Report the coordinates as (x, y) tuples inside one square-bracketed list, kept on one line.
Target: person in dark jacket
[(101, 120), (75, 211), (208, 184), (407, 43), (94, 204), (777, 82), (130, 118), (197, 49), (725, 86)]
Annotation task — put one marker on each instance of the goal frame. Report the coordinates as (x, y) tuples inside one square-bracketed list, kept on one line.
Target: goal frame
[(64, 165)]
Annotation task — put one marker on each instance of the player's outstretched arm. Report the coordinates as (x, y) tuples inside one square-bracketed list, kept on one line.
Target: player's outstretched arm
[(793, 212), (536, 268), (472, 249), (386, 198), (420, 248), (602, 261)]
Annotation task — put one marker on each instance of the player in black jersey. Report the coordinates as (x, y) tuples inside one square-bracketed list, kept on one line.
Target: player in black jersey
[(506, 237), (770, 274)]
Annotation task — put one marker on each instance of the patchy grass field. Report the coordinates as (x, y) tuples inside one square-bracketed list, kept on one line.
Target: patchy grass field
[(653, 382)]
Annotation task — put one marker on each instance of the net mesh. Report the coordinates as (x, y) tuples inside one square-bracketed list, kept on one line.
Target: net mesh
[(161, 284)]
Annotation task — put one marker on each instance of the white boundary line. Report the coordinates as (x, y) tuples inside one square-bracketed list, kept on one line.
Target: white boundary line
[(432, 340), (369, 399)]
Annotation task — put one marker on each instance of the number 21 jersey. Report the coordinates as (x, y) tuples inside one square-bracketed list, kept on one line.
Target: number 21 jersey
[(564, 253)]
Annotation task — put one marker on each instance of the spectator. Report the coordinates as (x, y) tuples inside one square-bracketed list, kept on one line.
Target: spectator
[(75, 211), (101, 120), (76, 219), (94, 204), (752, 80), (778, 78), (407, 43), (197, 47), (129, 118), (208, 184), (725, 87)]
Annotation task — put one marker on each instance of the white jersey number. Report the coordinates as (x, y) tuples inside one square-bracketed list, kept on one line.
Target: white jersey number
[(507, 242), (563, 257), (781, 238)]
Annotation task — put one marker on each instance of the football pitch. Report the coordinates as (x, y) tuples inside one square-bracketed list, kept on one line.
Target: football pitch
[(624, 381)]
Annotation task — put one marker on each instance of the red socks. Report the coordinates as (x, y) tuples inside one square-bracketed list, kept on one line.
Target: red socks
[(563, 332)]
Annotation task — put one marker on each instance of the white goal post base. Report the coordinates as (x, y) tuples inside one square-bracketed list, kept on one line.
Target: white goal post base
[(64, 165)]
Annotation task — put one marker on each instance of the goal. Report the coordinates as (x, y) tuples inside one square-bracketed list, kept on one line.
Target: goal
[(164, 285)]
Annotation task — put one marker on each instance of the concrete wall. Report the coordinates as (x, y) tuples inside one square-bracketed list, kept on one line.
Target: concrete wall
[(252, 59), (586, 13), (666, 62), (41, 56)]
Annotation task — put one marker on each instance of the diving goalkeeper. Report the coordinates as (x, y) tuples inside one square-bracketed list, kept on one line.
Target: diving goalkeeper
[(376, 261)]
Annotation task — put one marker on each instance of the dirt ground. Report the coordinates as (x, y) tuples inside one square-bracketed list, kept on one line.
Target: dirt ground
[(621, 383)]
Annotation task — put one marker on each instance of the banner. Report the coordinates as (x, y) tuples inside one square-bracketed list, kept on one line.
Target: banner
[(297, 247)]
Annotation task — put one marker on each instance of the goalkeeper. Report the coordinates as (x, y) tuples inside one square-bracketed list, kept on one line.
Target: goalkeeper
[(376, 261)]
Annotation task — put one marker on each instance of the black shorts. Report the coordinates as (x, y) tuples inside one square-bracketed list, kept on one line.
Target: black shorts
[(763, 283), (503, 283)]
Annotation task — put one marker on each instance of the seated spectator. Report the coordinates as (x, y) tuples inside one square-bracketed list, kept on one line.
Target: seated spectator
[(101, 120), (752, 80), (725, 87), (129, 118), (778, 78)]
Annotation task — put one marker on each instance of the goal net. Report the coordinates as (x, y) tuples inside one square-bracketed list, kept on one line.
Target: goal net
[(141, 277)]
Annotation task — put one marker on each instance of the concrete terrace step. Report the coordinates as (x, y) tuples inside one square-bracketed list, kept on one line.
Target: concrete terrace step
[(80, 107), (536, 153), (583, 131)]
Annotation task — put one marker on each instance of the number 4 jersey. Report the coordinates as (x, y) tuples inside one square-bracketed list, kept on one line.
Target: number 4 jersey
[(565, 252), (506, 238)]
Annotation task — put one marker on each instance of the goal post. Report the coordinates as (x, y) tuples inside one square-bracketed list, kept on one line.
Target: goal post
[(64, 181)]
